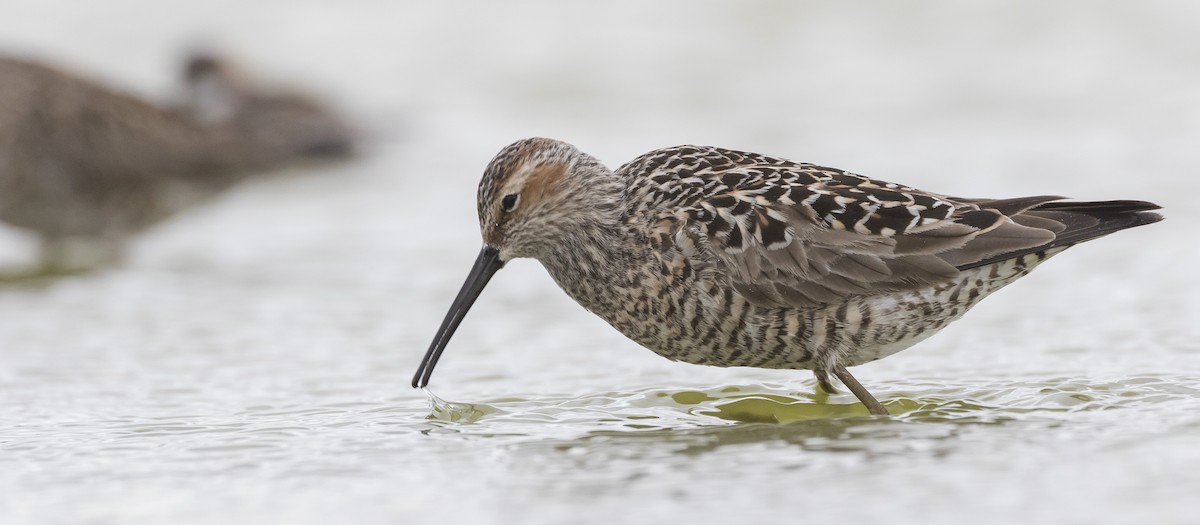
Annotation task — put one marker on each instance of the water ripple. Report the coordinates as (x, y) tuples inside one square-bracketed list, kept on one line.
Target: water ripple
[(917, 407)]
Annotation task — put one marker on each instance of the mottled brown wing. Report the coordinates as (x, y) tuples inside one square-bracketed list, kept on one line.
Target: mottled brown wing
[(792, 234)]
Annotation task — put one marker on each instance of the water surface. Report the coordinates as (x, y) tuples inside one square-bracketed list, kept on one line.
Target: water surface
[(251, 363)]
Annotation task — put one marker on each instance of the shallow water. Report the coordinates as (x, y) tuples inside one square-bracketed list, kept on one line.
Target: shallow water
[(251, 363)]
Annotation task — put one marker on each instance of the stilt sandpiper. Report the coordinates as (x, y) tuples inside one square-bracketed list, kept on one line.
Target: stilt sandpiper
[(727, 258)]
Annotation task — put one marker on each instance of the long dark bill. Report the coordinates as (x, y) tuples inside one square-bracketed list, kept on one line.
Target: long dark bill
[(486, 265)]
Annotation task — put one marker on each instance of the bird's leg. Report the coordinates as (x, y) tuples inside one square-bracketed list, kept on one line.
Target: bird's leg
[(873, 405), (823, 381)]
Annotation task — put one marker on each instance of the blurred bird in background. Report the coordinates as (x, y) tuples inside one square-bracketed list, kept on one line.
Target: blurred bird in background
[(86, 167)]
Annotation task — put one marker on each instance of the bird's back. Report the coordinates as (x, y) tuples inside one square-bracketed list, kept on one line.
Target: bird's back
[(760, 261)]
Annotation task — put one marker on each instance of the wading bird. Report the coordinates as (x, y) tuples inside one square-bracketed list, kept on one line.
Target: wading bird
[(727, 258), (85, 166)]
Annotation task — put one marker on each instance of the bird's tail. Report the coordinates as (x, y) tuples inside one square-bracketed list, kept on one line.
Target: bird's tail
[(1071, 222), (1084, 221)]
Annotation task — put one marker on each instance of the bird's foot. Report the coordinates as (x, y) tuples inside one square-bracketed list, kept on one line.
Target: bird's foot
[(873, 405)]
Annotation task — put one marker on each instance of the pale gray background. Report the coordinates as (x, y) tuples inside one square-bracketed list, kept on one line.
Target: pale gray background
[(250, 365)]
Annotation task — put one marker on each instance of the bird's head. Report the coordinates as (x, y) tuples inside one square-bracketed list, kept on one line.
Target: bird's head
[(534, 195), (539, 198)]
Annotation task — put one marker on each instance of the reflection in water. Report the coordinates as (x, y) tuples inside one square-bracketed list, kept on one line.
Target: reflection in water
[(615, 443), (705, 419)]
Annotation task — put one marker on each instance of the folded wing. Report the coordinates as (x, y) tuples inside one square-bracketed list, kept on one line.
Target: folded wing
[(800, 235)]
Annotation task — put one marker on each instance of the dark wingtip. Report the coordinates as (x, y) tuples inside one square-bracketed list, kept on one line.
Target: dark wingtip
[(1112, 207), (1114, 215), (1147, 217), (1081, 222)]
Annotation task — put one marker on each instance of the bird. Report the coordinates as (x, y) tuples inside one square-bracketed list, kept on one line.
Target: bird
[(85, 167), (729, 258)]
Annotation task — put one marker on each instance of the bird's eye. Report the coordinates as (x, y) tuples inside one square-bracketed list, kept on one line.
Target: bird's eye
[(508, 202)]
